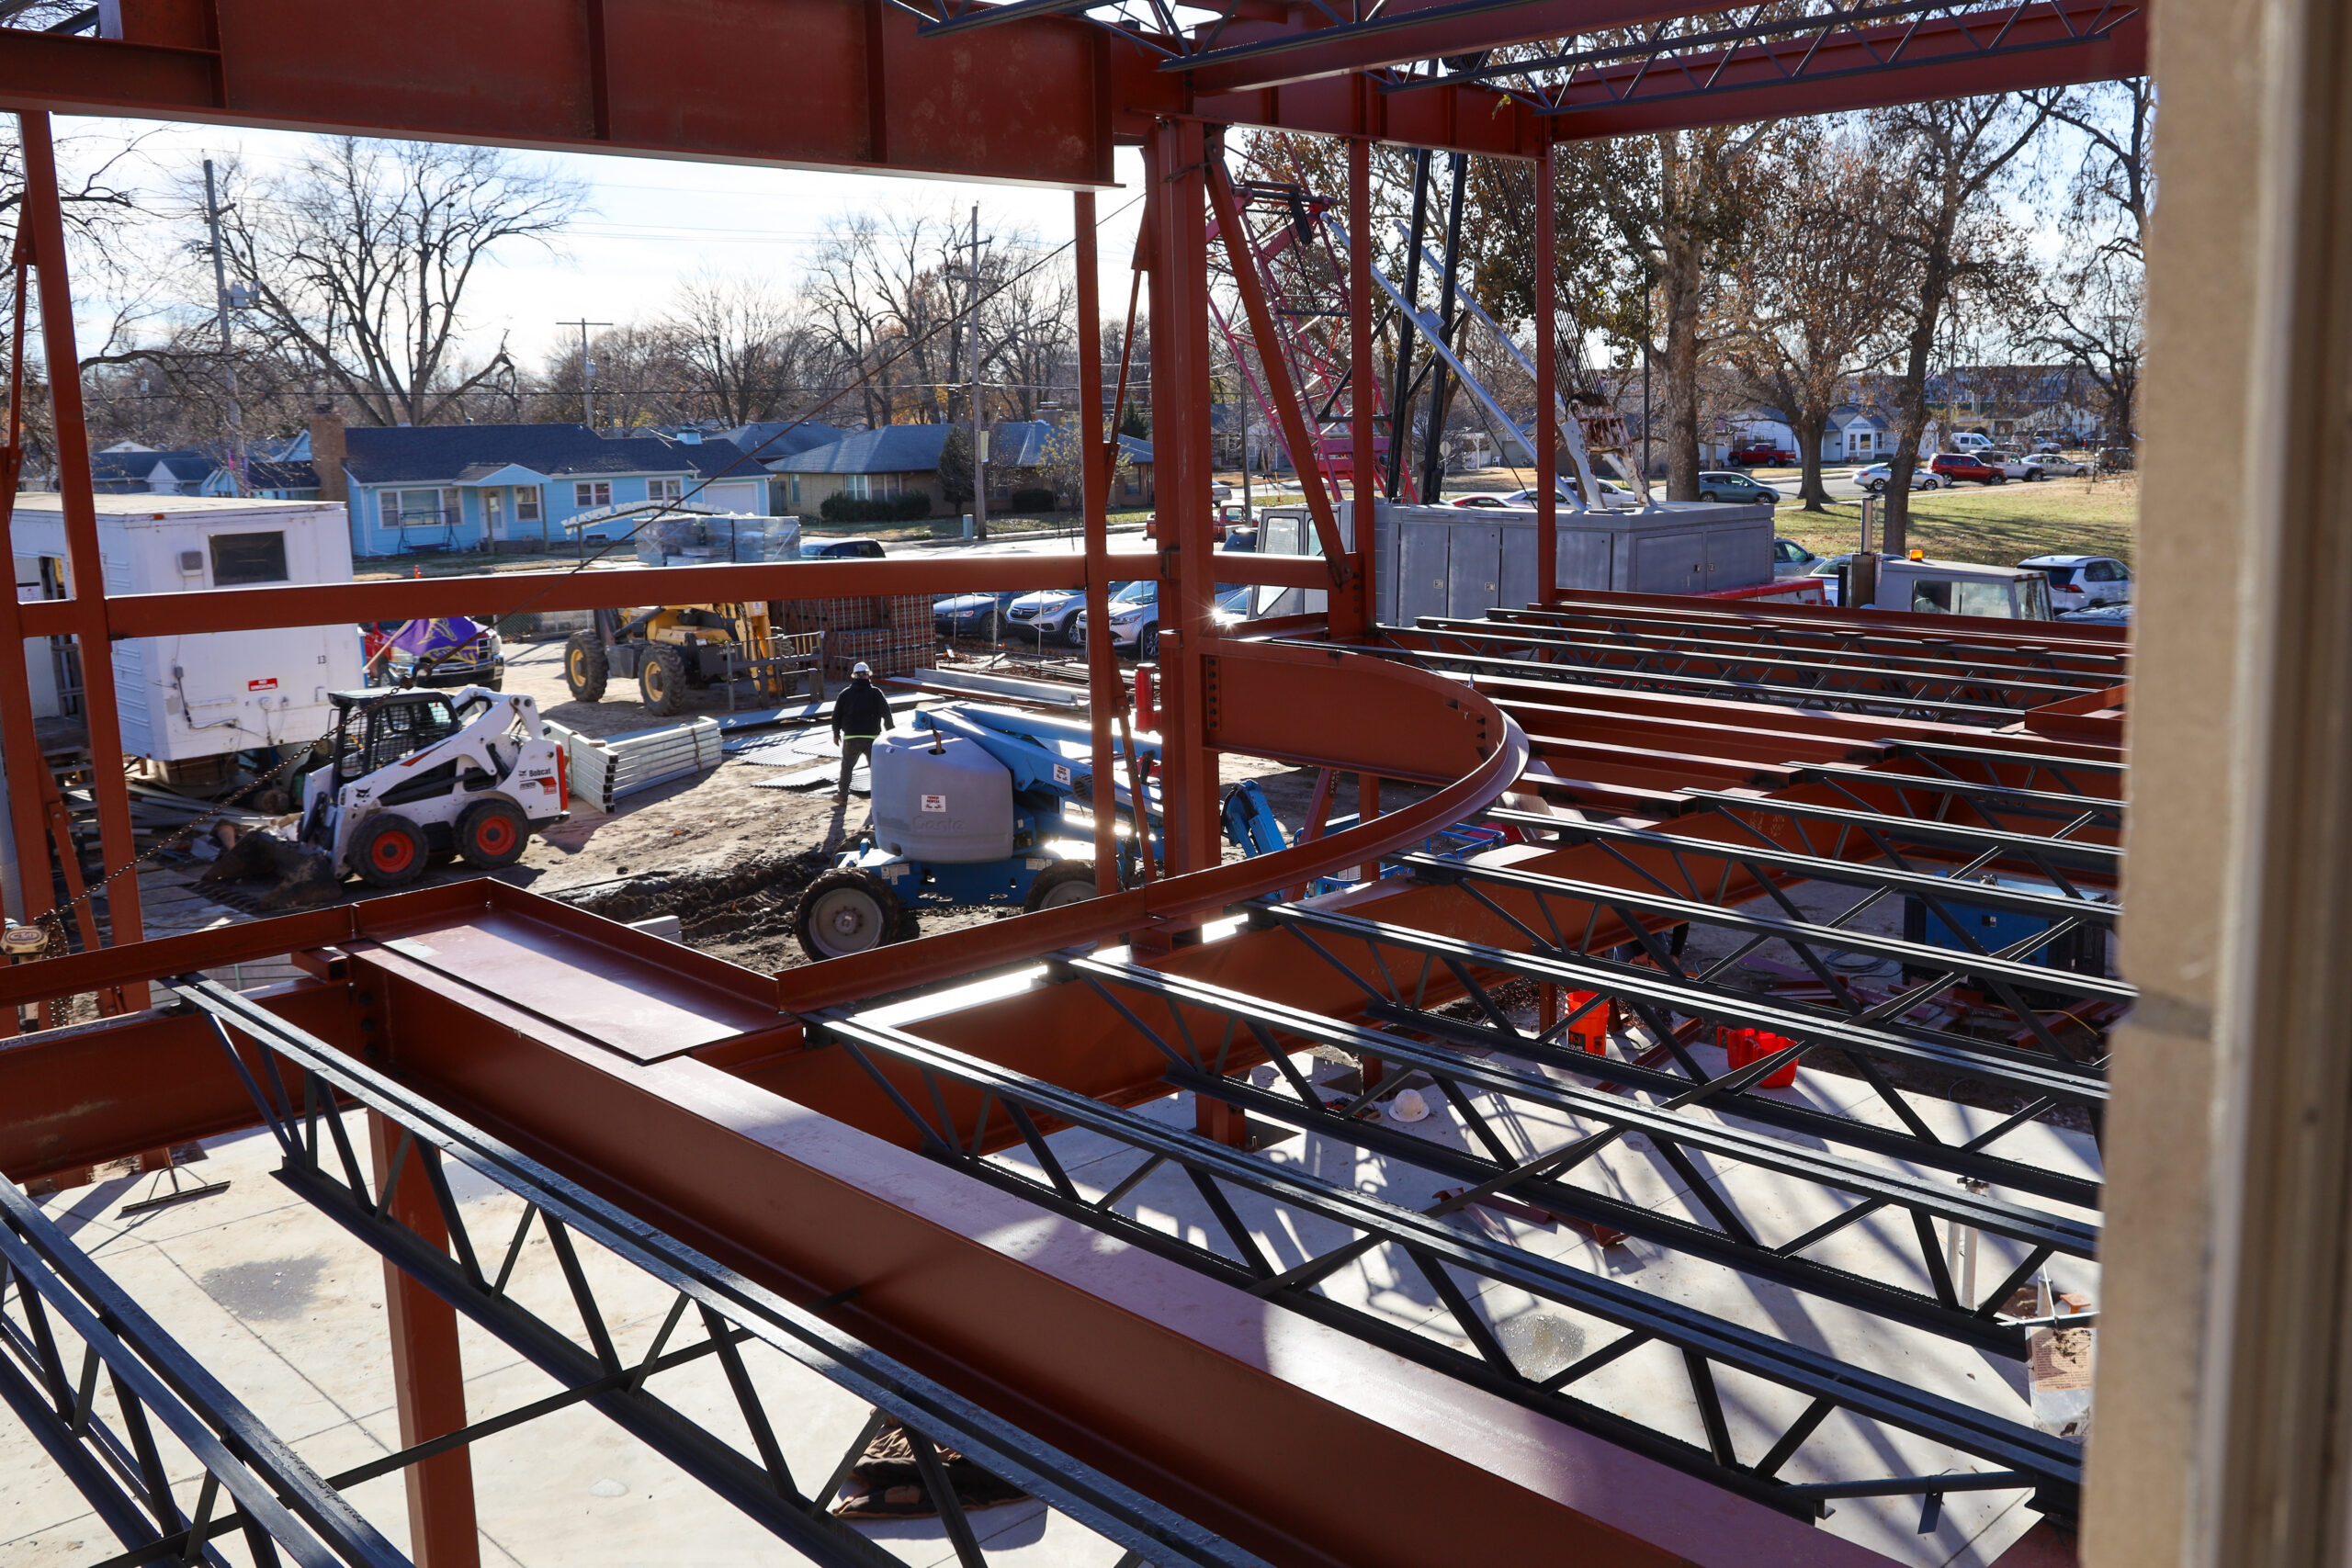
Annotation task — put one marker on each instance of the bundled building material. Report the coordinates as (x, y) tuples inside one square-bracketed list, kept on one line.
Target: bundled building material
[(604, 769), (702, 539), (891, 633)]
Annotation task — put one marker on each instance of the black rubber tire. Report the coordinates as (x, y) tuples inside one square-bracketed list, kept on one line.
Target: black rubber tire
[(389, 851), (873, 914), (1876, 487), (662, 681), (492, 833), (1998, 479), (1054, 884), (1147, 644), (909, 927), (585, 668)]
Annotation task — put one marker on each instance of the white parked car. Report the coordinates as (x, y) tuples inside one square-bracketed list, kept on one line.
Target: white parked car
[(1969, 441), (1048, 613), (2014, 464), (1792, 559), (1877, 476), (2083, 582), (2059, 464), (1611, 495)]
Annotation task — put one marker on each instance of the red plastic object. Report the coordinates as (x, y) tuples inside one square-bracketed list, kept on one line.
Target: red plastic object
[(1746, 1045), (1147, 696), (1592, 1029)]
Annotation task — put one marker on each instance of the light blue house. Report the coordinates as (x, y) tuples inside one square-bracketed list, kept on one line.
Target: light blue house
[(512, 487)]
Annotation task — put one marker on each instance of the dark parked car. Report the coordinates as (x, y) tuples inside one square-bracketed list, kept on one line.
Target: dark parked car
[(1956, 466), (841, 549), (980, 615), (1735, 488)]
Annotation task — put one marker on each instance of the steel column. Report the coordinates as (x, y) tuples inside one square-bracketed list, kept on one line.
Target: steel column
[(427, 1373), (1360, 383), (20, 758), (1095, 447), (1547, 451), (1177, 156), (45, 222)]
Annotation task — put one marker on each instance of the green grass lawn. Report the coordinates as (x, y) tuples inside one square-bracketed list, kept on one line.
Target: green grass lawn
[(1998, 525)]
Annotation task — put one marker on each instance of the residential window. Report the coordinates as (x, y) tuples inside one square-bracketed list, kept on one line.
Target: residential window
[(665, 490), (592, 492), (527, 503), (855, 486), (239, 559), (794, 485), (417, 508)]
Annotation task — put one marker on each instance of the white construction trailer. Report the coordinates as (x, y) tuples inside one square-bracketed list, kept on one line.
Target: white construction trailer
[(204, 696)]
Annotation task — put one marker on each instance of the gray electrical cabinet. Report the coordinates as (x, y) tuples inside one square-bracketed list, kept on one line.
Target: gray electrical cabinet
[(1463, 561)]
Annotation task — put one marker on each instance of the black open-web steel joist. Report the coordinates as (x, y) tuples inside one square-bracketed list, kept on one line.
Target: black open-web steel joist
[(270, 1497)]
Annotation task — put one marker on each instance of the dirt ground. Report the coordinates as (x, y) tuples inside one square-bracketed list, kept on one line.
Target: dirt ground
[(728, 858)]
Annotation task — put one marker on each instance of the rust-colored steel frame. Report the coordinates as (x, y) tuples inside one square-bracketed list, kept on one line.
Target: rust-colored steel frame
[(1043, 101)]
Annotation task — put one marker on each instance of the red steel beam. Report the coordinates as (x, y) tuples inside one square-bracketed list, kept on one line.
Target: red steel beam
[(1104, 696), (671, 78), (1039, 100), (44, 225), (1155, 1374), (428, 1371), (1274, 364), (1176, 159), (1845, 73), (1363, 312), (1548, 362), (507, 594)]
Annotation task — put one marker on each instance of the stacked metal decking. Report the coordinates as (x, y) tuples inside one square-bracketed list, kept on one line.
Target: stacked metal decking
[(606, 769)]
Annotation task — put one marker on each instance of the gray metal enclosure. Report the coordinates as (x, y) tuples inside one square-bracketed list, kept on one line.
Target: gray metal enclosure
[(1450, 560)]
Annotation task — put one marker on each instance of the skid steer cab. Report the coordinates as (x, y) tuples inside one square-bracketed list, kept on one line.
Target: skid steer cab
[(415, 777)]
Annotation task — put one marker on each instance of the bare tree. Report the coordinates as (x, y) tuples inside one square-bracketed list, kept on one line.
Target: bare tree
[(1954, 153), (739, 345), (641, 378), (2090, 310), (361, 256), (1811, 301), (877, 295), (100, 208)]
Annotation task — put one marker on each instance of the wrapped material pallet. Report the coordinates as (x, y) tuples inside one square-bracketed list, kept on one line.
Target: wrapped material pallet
[(603, 771), (893, 633)]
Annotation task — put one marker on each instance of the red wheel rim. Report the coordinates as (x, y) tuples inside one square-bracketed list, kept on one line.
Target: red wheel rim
[(393, 852), (496, 835)]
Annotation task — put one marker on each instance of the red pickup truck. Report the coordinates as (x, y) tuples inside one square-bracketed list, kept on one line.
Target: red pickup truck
[(1762, 455)]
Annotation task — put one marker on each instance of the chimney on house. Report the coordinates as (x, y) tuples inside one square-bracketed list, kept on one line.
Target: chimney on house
[(326, 451)]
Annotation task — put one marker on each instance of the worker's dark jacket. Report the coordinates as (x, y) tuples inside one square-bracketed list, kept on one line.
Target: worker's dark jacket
[(861, 713)]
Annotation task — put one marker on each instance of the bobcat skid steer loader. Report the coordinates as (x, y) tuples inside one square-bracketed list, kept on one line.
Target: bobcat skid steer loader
[(418, 776)]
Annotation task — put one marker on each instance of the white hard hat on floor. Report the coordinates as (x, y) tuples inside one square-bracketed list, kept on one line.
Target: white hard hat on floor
[(861, 668)]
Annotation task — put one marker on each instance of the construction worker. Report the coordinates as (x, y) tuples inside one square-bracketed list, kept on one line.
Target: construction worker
[(860, 716)]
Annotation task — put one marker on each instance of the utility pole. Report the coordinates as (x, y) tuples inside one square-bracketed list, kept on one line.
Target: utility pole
[(587, 371), (228, 344), (979, 424)]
